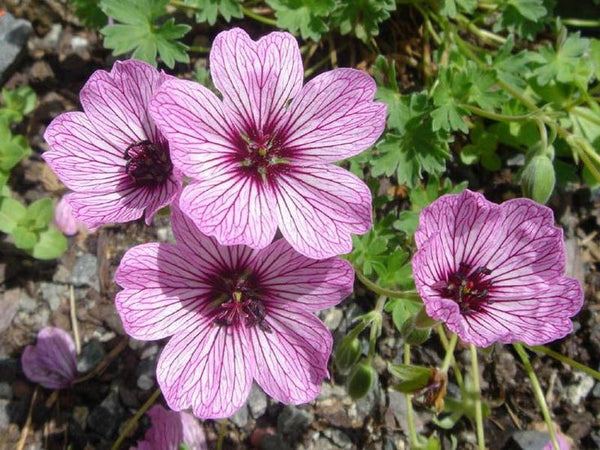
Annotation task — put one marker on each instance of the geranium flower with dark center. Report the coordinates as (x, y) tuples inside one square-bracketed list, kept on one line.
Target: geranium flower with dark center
[(235, 315), (495, 273), (112, 156), (260, 159)]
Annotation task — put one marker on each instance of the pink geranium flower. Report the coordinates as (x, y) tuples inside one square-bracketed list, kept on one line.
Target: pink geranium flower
[(52, 362), (234, 314), (170, 429), (112, 155), (495, 273), (260, 159)]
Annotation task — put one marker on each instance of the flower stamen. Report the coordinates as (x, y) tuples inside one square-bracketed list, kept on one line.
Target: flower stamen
[(148, 164), (468, 288)]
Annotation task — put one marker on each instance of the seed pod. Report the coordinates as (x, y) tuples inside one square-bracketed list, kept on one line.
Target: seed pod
[(538, 178), (347, 354), (361, 380)]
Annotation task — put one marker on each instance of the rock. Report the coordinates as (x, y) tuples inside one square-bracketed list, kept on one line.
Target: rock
[(397, 407), (528, 440), (106, 418), (91, 355), (332, 318), (80, 415), (53, 294), (505, 368), (257, 402), (85, 272), (145, 382), (240, 418), (146, 372), (8, 308), (4, 417), (13, 39), (596, 391), (338, 438), (273, 442), (5, 390), (293, 421), (578, 390)]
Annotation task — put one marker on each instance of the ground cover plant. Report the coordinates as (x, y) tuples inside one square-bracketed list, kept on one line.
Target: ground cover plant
[(302, 224)]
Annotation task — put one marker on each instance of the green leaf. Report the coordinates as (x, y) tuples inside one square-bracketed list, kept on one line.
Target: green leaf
[(39, 214), (11, 213), (362, 17), (209, 10), (414, 378), (403, 310), (481, 149), (17, 103), (140, 33), (307, 16), (24, 238), (523, 17), (12, 149), (89, 12), (567, 63), (450, 8), (51, 244)]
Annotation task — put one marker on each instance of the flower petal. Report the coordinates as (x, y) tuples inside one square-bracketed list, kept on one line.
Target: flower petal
[(235, 209), (52, 361), (256, 78), (199, 134), (209, 256), (117, 102), (163, 291), (287, 277), (318, 208), (127, 203), (334, 117), (535, 318), (81, 157), (208, 368), (291, 360)]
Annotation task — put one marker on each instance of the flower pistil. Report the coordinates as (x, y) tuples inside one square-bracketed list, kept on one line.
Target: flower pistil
[(469, 289)]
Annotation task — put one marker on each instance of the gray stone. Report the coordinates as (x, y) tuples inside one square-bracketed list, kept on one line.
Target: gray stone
[(8, 307), (528, 440), (581, 386), (596, 391), (332, 318), (4, 418), (240, 418), (85, 272), (5, 390), (26, 303), (53, 294), (145, 382), (91, 355), (338, 438), (257, 402), (273, 442), (80, 415), (293, 421), (13, 39), (105, 418), (397, 406)]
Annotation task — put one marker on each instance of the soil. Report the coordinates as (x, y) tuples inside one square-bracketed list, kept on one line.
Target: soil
[(60, 57)]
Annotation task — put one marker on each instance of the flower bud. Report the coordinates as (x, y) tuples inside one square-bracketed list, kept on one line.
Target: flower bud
[(347, 354), (361, 380), (538, 178), (413, 334)]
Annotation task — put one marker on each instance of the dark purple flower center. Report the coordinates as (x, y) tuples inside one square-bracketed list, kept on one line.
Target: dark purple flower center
[(238, 298), (469, 288), (148, 164), (262, 155)]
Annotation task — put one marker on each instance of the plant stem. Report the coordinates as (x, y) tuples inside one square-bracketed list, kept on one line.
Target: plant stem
[(446, 345), (221, 438), (134, 420), (581, 23), (412, 432), (581, 112), (565, 359), (199, 49), (539, 394), (259, 18), (478, 408), (449, 352), (407, 295), (496, 116)]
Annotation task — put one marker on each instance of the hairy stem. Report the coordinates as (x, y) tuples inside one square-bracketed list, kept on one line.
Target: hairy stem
[(262, 19), (128, 428), (449, 353), (412, 432), (539, 394), (408, 295), (566, 360), (478, 407)]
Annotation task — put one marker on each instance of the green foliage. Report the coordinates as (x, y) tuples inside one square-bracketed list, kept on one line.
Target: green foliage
[(414, 378), (482, 149), (89, 12), (412, 147), (30, 227), (12, 150), (362, 17), (523, 17), (451, 8), (210, 10), (307, 16), (142, 32), (17, 103)]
